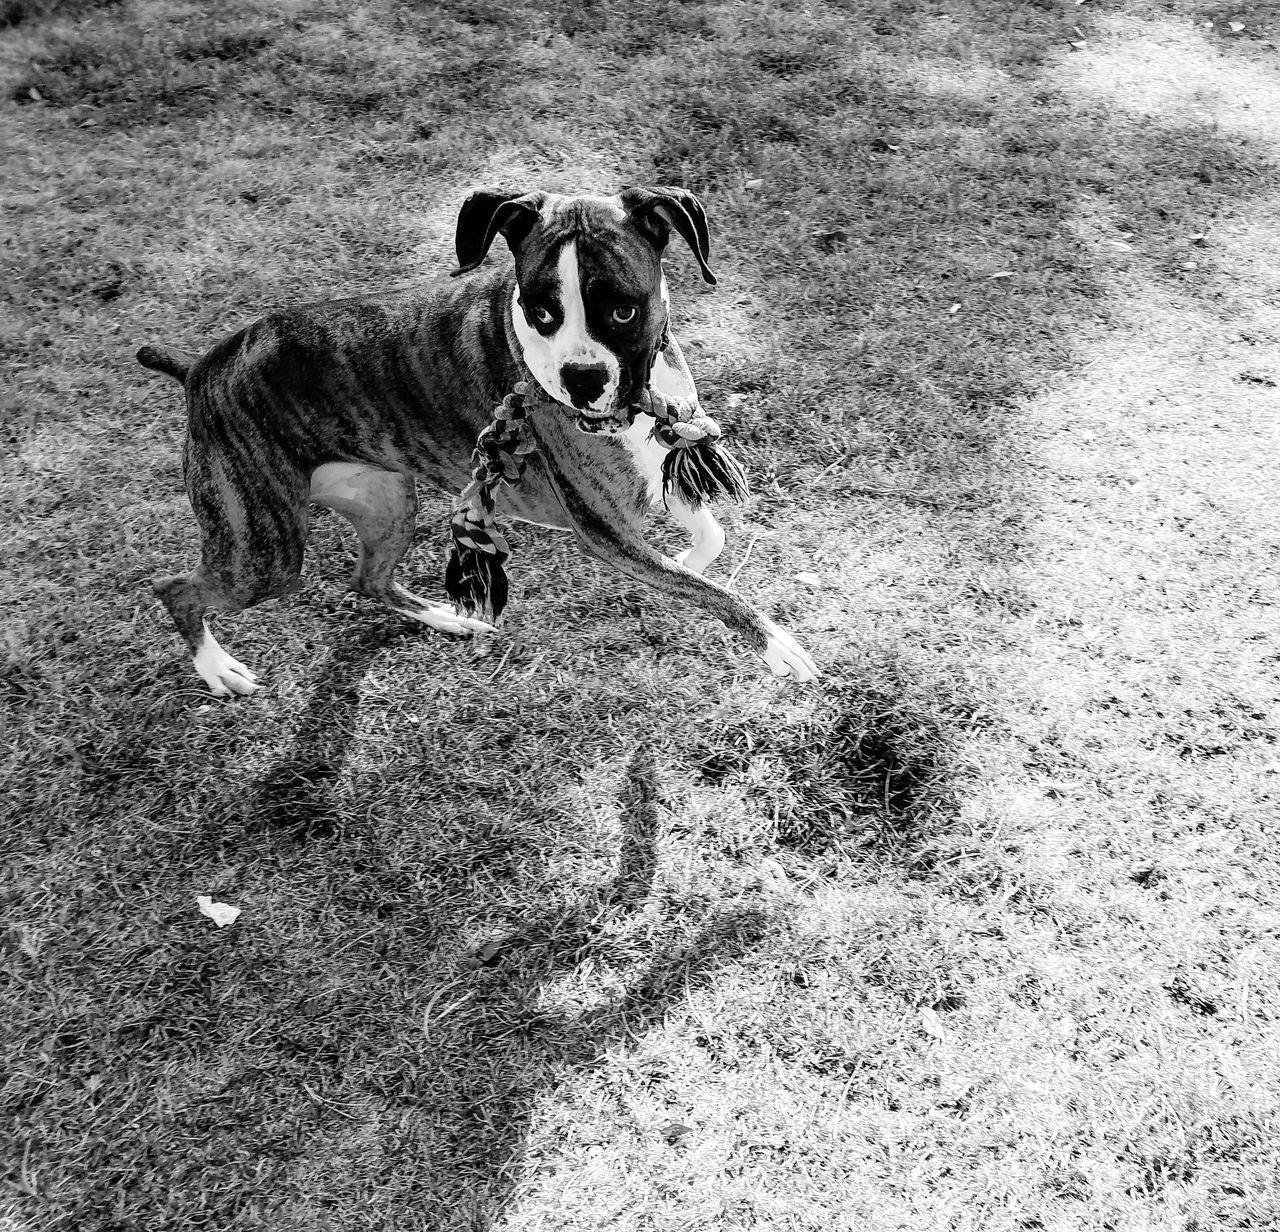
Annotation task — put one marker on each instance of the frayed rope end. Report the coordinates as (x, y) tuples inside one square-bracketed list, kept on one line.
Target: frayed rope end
[(704, 472), (476, 583)]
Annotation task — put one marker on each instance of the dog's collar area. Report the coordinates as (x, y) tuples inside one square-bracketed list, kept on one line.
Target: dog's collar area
[(696, 467)]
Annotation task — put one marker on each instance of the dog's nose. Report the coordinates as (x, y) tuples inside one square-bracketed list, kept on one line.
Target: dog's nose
[(584, 383)]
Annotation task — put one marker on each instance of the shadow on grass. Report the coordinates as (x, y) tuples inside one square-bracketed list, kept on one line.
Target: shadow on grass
[(296, 798), (867, 774), (388, 1033)]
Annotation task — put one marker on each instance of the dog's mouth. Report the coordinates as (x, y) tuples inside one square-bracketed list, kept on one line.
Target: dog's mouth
[(587, 419), (612, 420)]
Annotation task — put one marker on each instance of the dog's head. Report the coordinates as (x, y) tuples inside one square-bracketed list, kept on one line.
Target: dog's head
[(591, 301)]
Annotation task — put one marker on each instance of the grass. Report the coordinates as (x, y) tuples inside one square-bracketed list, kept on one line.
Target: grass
[(592, 926)]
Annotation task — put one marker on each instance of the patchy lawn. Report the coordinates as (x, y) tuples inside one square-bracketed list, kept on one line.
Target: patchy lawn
[(592, 925)]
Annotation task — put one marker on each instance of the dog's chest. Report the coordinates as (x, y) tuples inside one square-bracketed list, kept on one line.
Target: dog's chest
[(646, 455)]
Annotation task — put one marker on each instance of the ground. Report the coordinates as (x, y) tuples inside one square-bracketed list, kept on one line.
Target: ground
[(591, 924)]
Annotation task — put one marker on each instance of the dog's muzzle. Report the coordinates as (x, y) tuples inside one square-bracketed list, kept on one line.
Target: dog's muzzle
[(585, 419)]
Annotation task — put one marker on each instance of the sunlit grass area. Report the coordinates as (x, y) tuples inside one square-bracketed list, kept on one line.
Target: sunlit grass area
[(592, 925)]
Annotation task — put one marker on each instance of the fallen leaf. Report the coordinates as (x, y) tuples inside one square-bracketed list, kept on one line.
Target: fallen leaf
[(753, 184), (932, 1024), (1235, 26), (774, 876), (675, 1131), (487, 954), (1002, 274), (809, 579), (953, 309), (220, 913)]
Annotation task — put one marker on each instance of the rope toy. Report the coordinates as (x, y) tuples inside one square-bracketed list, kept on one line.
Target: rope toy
[(695, 466)]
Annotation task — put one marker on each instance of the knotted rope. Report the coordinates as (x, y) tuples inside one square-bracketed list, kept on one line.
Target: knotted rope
[(695, 466)]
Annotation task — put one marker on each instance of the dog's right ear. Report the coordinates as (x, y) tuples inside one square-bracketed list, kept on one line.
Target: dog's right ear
[(487, 212)]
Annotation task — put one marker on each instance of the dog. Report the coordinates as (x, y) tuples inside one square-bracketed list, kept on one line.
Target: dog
[(346, 403)]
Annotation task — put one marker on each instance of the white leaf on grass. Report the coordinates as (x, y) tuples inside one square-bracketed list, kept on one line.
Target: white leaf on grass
[(953, 309), (1235, 26), (809, 579), (1002, 274), (220, 913), (753, 184), (773, 876), (932, 1024)]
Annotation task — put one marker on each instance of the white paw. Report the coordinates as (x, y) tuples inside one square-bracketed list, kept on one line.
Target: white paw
[(443, 617), (786, 657), (690, 561), (226, 676)]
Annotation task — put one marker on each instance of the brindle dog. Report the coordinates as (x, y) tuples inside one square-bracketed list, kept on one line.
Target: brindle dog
[(345, 404)]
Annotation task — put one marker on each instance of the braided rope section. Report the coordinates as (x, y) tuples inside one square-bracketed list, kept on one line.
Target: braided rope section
[(475, 578), (696, 466)]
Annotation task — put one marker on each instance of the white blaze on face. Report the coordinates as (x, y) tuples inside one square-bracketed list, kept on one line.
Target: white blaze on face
[(571, 343)]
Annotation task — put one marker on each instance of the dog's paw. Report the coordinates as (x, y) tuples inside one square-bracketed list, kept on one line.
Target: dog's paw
[(682, 558), (445, 619), (225, 676), (786, 657)]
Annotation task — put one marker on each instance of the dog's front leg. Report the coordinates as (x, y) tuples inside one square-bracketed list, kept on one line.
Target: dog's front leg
[(619, 543)]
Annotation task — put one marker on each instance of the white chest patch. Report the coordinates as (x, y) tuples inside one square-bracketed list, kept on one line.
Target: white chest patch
[(645, 452), (646, 455), (571, 343)]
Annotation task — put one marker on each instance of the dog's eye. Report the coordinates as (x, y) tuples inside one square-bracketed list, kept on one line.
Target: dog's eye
[(624, 314), (540, 314)]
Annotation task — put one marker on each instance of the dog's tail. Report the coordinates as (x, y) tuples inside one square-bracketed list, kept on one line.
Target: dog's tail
[(166, 359)]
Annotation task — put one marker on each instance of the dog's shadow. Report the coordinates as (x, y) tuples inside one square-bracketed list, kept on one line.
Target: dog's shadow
[(495, 1059), (464, 1098), (295, 798)]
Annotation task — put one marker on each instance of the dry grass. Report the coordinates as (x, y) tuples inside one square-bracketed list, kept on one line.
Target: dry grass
[(593, 927)]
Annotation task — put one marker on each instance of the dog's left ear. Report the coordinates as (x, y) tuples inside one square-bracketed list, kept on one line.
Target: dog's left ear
[(656, 210), (487, 212)]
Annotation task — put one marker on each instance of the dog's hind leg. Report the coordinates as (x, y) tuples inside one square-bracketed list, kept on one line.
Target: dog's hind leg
[(188, 597), (383, 506), (251, 506), (239, 566)]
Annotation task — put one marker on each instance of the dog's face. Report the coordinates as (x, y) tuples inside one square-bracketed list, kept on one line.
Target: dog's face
[(590, 305)]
